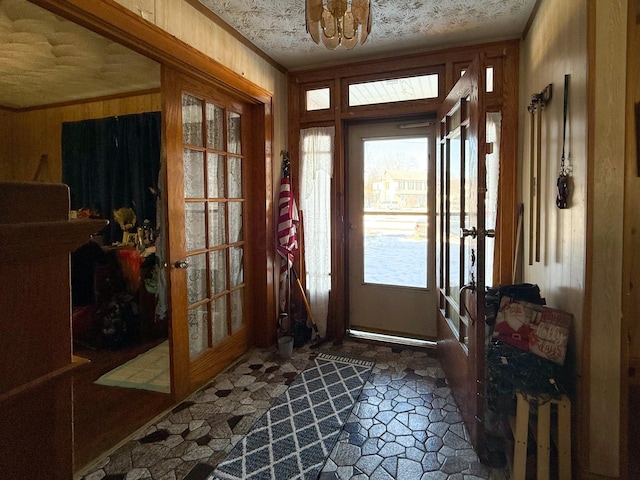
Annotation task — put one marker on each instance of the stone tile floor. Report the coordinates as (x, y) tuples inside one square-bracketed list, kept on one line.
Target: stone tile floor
[(405, 425)]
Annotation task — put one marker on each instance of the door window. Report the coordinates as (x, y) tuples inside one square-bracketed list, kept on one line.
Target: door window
[(214, 203), (395, 211)]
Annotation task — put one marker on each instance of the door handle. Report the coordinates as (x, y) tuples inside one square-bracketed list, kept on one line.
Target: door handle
[(181, 264), (463, 306), (468, 232), (473, 232)]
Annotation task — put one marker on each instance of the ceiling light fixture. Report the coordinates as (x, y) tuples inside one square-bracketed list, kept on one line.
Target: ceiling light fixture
[(339, 22)]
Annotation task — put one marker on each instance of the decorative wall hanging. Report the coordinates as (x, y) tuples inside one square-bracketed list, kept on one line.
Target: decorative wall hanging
[(562, 185), (339, 22), (538, 103)]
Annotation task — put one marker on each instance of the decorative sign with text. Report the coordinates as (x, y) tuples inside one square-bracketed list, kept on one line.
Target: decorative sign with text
[(534, 328)]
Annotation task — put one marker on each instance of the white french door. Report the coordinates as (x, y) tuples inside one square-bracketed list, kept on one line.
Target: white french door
[(391, 253)]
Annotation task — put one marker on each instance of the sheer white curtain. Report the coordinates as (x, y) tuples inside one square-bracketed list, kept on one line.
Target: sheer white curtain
[(494, 123), (316, 164)]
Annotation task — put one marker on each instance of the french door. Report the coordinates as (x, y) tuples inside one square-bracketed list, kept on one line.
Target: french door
[(461, 186), (391, 236), (206, 156)]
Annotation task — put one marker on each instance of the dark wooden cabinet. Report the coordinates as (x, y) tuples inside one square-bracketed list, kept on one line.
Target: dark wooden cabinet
[(36, 359)]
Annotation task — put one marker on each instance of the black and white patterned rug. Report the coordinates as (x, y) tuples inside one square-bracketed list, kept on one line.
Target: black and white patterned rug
[(293, 439)]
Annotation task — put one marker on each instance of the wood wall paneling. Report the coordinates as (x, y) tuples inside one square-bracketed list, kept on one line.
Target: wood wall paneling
[(35, 132), (607, 41), (630, 344), (555, 45), (580, 269)]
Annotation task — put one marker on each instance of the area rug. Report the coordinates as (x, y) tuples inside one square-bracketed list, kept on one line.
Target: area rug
[(295, 436), (147, 371)]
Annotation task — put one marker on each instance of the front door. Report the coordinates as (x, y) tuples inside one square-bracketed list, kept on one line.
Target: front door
[(206, 156), (461, 189), (390, 215)]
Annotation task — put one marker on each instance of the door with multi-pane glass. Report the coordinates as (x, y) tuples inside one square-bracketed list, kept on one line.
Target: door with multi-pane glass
[(462, 187), (206, 238)]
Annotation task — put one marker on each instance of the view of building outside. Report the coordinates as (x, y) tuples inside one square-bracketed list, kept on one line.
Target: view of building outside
[(395, 211)]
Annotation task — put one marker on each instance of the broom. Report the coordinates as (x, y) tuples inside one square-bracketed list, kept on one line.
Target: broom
[(319, 339)]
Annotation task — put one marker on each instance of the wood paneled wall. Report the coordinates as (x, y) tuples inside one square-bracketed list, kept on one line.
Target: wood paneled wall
[(607, 39), (31, 133), (632, 197), (581, 247), (631, 254)]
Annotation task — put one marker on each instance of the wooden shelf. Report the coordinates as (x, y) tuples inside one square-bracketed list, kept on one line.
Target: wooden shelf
[(36, 359)]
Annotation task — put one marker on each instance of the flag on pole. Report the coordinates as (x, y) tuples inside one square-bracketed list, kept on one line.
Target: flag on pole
[(287, 230)]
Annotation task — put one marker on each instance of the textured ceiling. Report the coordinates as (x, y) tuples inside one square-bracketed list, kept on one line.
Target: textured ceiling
[(277, 27), (45, 59)]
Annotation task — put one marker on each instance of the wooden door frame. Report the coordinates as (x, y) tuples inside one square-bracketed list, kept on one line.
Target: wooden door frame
[(503, 55), (121, 25), (187, 373)]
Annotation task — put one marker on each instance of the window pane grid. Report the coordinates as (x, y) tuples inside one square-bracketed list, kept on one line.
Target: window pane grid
[(213, 171)]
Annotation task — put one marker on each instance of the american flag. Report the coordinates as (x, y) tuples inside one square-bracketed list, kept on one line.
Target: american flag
[(287, 235)]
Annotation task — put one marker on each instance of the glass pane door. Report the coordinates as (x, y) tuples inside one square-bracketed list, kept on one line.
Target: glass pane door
[(213, 205), (391, 235), (461, 241)]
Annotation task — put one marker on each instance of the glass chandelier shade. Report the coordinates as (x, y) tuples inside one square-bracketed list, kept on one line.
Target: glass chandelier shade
[(338, 22)]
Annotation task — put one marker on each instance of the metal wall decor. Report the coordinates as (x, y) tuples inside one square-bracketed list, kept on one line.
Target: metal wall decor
[(538, 103)]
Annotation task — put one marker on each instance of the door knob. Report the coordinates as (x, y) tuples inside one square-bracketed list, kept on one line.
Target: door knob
[(469, 232), (181, 264), (491, 233)]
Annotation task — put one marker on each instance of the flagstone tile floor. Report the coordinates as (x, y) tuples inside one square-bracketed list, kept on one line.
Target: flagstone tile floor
[(405, 425)]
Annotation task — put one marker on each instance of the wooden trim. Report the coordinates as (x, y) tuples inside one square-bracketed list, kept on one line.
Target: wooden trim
[(224, 354), (38, 382), (120, 24), (4, 108), (584, 423), (82, 101), (235, 34), (259, 304), (603, 289), (262, 265), (339, 258), (387, 66), (174, 221), (505, 99), (629, 351), (532, 16), (508, 183), (21, 241)]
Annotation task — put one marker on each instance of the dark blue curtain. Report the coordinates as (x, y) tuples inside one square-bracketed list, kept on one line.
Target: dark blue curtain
[(112, 163)]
